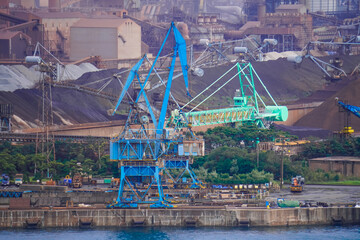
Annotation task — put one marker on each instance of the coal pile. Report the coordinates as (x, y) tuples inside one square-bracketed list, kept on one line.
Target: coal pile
[(327, 115), (69, 105), (284, 81), (304, 132)]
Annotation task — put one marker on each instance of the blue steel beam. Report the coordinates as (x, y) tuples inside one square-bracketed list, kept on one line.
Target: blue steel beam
[(133, 146), (182, 164), (353, 109)]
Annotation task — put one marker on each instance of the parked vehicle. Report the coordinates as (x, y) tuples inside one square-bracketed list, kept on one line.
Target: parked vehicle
[(284, 203), (5, 180), (19, 179), (67, 181), (297, 184), (77, 180), (50, 182)]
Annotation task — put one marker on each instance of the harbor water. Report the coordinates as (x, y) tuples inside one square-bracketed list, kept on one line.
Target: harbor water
[(160, 233)]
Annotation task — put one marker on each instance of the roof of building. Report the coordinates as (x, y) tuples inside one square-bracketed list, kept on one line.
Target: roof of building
[(52, 15), (290, 6), (292, 143), (100, 22), (8, 34), (337, 158)]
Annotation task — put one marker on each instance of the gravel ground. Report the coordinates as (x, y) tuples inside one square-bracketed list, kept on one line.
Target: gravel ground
[(322, 193)]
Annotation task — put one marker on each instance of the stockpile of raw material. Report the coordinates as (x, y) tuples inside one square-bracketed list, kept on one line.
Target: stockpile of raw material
[(327, 115), (18, 76), (15, 77), (70, 106), (285, 81), (73, 72)]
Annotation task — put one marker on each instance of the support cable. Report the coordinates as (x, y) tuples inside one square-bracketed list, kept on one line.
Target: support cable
[(219, 87), (209, 86)]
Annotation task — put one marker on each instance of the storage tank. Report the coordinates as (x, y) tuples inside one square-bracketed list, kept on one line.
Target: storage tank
[(213, 19), (261, 12), (294, 59), (207, 19), (240, 49), (200, 19)]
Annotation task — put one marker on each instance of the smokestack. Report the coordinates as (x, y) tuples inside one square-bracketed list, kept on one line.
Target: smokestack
[(261, 12), (54, 5)]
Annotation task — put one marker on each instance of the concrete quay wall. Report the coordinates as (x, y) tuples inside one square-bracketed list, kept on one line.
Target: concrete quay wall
[(178, 217)]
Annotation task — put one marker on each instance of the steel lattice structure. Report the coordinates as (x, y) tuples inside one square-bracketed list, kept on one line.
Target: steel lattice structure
[(145, 153)]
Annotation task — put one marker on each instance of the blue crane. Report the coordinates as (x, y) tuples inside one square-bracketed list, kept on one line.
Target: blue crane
[(352, 109), (143, 153), (348, 110)]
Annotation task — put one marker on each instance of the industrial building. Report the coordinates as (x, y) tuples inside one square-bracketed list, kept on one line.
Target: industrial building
[(13, 45), (290, 25), (57, 30), (345, 165), (110, 38)]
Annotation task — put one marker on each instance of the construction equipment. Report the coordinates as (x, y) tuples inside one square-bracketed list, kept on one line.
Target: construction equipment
[(217, 53), (297, 184), (249, 106), (348, 109), (332, 69), (77, 180), (144, 153)]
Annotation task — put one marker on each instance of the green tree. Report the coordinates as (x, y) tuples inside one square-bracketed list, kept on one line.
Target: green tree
[(7, 165)]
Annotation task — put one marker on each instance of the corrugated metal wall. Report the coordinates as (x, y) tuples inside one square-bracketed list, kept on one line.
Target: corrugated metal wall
[(322, 5), (86, 42)]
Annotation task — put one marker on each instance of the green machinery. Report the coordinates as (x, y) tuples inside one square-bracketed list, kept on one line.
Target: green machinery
[(249, 106)]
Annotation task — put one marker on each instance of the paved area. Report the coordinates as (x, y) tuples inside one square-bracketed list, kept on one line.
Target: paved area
[(317, 193), (322, 193)]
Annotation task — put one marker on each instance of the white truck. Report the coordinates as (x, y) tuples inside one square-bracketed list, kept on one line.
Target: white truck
[(19, 179)]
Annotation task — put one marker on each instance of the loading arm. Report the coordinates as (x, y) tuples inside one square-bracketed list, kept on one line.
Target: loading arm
[(353, 109)]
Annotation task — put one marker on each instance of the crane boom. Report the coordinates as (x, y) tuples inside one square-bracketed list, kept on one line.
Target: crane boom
[(353, 109), (249, 106)]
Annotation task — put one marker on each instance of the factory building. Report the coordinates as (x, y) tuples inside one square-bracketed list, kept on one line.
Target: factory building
[(109, 38), (322, 5), (13, 45), (345, 165), (290, 25), (57, 30), (28, 4)]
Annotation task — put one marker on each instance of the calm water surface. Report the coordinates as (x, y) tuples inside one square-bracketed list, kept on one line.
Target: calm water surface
[(277, 233)]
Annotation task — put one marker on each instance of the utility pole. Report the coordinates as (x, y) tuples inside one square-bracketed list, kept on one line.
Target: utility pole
[(257, 152), (282, 163)]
